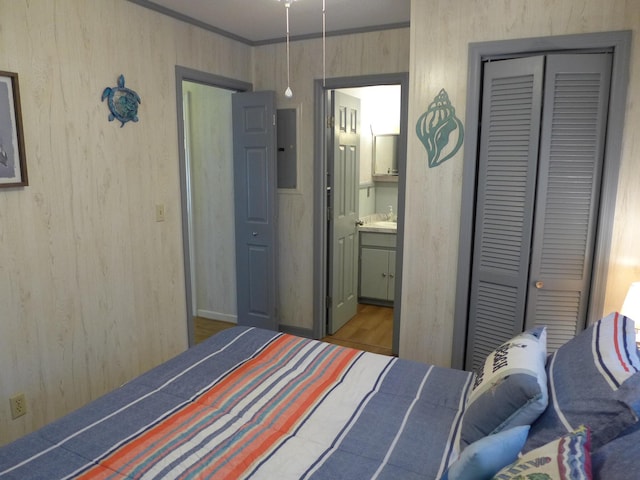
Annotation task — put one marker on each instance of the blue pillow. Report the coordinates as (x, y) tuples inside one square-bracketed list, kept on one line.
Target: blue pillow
[(482, 459), (593, 381), (618, 459), (511, 389)]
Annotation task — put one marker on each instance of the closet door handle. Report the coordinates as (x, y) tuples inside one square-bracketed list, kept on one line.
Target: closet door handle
[(539, 285)]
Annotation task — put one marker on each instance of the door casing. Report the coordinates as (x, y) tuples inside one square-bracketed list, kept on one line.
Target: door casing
[(321, 143), (619, 43)]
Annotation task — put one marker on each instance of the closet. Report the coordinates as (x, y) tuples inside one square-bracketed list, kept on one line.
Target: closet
[(540, 159)]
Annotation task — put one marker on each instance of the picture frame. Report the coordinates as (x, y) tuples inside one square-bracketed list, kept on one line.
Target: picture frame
[(13, 163)]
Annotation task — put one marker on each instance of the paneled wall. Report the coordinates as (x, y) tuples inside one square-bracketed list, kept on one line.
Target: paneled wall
[(440, 33), (91, 286)]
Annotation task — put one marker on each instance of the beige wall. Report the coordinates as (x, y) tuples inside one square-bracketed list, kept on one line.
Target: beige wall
[(440, 33), (91, 287)]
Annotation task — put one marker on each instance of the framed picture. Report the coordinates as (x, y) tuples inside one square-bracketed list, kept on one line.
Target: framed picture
[(13, 164)]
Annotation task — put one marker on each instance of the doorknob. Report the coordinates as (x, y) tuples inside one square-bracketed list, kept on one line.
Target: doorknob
[(255, 234), (359, 223), (539, 285)]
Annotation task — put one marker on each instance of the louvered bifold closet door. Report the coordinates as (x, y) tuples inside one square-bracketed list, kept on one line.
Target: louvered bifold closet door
[(511, 105), (571, 152)]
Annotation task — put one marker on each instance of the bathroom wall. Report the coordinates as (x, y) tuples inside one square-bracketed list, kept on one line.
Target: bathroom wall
[(367, 200), (386, 195), (379, 114)]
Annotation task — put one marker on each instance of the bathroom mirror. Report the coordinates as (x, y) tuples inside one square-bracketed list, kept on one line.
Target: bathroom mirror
[(385, 154)]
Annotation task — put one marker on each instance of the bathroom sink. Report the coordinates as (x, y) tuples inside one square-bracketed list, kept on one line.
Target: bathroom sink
[(381, 226), (385, 224)]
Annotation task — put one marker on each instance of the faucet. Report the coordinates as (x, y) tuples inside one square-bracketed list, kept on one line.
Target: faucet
[(392, 216)]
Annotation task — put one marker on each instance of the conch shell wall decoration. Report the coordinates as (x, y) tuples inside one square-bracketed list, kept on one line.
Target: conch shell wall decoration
[(439, 130)]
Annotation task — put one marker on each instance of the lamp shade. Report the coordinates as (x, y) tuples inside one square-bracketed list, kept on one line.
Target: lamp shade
[(631, 306)]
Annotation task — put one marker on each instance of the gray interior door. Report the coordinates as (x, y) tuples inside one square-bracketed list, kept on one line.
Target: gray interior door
[(255, 185), (343, 203), (536, 206)]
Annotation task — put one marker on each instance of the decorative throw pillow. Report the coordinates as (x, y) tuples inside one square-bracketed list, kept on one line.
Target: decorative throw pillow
[(567, 458), (482, 459), (511, 390), (593, 381)]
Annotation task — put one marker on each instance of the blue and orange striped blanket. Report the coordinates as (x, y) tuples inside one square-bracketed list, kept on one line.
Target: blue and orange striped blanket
[(250, 403)]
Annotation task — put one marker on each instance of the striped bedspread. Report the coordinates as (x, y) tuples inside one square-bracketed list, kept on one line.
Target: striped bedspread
[(251, 403)]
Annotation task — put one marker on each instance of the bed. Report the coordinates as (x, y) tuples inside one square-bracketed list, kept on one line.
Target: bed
[(251, 403)]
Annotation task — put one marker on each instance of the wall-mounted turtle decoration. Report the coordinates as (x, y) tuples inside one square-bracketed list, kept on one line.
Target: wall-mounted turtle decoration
[(439, 130), (123, 102)]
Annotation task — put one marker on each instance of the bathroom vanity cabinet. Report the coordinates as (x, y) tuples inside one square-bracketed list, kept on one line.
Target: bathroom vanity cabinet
[(377, 267)]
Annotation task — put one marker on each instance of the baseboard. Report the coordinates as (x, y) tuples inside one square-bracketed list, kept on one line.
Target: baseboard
[(223, 317)]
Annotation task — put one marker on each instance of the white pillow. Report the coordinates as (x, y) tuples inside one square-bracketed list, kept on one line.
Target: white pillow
[(511, 389)]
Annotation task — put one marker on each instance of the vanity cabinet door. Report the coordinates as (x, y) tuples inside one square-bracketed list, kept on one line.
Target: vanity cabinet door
[(374, 273), (377, 274), (391, 287)]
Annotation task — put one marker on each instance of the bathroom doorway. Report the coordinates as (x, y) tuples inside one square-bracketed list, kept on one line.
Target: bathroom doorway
[(383, 116)]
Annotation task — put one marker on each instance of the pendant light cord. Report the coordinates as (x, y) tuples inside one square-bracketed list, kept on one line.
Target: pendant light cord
[(287, 4), (324, 48)]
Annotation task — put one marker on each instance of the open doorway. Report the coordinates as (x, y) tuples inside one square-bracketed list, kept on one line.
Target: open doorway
[(390, 184), (206, 177)]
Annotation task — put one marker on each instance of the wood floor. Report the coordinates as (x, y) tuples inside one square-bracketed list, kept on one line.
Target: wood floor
[(370, 330), (205, 328)]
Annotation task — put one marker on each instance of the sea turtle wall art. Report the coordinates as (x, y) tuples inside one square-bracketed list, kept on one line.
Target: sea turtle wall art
[(123, 102)]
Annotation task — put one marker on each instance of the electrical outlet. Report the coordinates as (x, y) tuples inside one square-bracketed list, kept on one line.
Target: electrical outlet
[(159, 213), (18, 405)]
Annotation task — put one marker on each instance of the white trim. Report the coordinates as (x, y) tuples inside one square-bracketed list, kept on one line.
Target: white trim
[(223, 317)]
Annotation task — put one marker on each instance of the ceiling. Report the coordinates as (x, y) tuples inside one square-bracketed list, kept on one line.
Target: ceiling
[(264, 21)]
